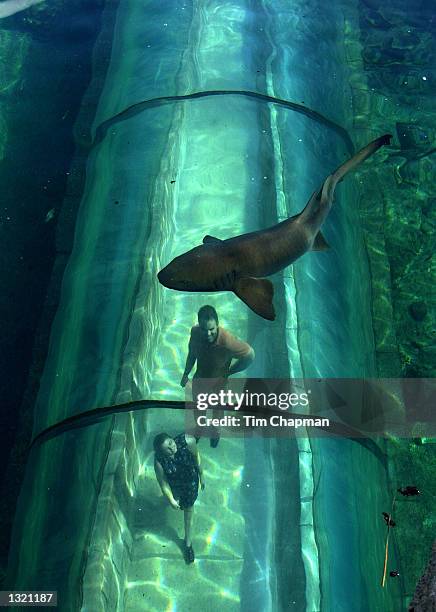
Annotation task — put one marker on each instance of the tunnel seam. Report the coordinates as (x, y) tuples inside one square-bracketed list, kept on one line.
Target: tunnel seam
[(138, 107), (76, 421)]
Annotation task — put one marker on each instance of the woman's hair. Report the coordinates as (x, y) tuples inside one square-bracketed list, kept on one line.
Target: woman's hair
[(159, 440), (206, 313)]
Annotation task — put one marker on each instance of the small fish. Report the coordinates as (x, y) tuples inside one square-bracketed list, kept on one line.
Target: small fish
[(394, 573), (49, 216), (409, 490), (388, 520), (172, 182)]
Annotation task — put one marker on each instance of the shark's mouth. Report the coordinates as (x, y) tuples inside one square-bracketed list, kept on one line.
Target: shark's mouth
[(167, 280)]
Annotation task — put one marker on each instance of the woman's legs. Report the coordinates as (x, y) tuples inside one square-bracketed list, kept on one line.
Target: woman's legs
[(188, 514)]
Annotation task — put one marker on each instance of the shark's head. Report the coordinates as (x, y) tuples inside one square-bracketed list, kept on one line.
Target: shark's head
[(176, 276)]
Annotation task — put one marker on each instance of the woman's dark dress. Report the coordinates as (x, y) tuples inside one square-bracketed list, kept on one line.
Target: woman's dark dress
[(181, 473)]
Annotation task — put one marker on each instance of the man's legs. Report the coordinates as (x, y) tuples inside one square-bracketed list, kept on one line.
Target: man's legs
[(222, 385), (196, 389), (208, 386)]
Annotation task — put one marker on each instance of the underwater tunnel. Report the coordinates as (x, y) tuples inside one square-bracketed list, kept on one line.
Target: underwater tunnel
[(211, 118)]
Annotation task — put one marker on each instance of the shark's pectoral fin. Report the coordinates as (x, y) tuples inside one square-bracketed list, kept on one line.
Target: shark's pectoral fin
[(258, 294), (320, 243), (208, 239)]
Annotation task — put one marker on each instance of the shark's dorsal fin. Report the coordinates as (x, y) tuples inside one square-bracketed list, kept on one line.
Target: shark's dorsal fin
[(320, 243), (208, 239)]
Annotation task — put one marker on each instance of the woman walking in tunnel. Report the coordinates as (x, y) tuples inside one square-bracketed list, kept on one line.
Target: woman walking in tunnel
[(178, 472)]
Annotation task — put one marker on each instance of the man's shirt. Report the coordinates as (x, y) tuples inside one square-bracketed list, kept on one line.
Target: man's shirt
[(214, 359)]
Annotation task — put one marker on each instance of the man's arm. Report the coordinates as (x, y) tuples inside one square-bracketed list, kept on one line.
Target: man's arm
[(190, 362), (192, 446), (163, 483), (242, 363)]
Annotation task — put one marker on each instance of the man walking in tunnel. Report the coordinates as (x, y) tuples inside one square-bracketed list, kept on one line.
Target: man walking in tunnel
[(214, 348)]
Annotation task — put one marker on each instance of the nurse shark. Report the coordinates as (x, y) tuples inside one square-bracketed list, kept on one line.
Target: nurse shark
[(239, 264)]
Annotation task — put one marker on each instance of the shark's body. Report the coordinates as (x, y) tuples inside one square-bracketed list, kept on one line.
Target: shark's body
[(239, 264)]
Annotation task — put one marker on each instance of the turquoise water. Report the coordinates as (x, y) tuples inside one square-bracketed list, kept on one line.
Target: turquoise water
[(113, 169)]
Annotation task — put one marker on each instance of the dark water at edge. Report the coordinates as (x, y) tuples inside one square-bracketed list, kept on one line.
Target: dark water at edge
[(40, 114)]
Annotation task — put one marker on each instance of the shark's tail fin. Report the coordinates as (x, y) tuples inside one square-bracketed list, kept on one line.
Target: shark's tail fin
[(319, 204), (258, 294), (337, 176), (360, 156)]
